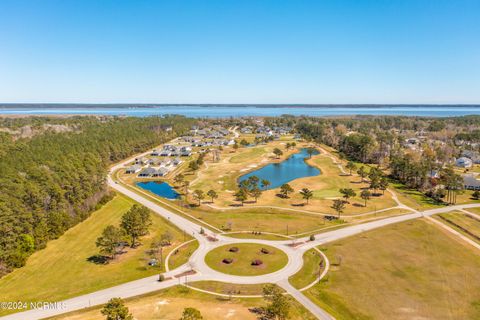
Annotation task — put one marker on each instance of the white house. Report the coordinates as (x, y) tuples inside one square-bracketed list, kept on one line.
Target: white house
[(133, 169), (464, 162)]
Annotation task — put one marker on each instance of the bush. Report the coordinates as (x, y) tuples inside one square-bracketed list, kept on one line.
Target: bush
[(233, 249), (257, 262), (265, 251), (312, 237), (161, 277), (227, 260), (476, 195)]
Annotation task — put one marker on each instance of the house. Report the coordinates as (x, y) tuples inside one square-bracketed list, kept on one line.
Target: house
[(161, 172), (246, 130), (177, 161), (433, 174), (471, 182), (155, 153), (166, 163), (133, 169), (147, 172), (464, 162), (151, 162), (472, 155), (141, 161), (185, 151)]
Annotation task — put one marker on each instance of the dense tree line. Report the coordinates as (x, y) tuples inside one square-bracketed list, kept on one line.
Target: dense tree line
[(380, 140), (53, 180)]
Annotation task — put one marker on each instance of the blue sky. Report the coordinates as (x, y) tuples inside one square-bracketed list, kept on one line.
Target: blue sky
[(240, 51)]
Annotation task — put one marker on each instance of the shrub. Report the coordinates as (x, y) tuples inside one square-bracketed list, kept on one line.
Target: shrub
[(265, 251), (161, 277), (233, 249), (227, 260), (257, 262), (312, 237), (476, 195)]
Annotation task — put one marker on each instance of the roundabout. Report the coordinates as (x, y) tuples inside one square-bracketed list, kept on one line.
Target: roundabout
[(246, 259)]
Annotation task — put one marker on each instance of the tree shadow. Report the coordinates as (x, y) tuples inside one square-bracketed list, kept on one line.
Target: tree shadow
[(298, 204), (235, 205)]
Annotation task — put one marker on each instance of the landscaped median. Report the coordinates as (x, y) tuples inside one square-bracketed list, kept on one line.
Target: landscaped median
[(246, 259), (313, 266)]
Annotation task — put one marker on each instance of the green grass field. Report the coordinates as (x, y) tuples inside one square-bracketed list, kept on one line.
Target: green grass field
[(241, 266), (61, 270), (310, 271), (181, 257), (459, 221), (263, 236), (411, 270)]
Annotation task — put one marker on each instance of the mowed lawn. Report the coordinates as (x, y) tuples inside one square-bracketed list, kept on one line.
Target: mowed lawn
[(169, 304), (61, 270), (412, 270), (310, 271), (461, 221), (271, 260)]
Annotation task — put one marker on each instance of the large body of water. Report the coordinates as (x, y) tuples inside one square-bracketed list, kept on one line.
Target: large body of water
[(279, 173), (238, 111), (161, 189)]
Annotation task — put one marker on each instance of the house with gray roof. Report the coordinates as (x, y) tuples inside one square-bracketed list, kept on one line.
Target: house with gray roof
[(471, 182), (147, 172)]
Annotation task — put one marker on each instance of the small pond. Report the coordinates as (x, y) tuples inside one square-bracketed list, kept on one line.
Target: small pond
[(161, 189), (279, 173)]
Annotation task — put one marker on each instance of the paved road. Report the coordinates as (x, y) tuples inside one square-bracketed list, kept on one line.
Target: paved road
[(203, 272)]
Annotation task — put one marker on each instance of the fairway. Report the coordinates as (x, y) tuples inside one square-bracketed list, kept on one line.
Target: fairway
[(411, 270), (61, 270), (241, 261)]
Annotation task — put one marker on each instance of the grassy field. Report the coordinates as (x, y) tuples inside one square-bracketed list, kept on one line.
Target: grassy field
[(310, 270), (412, 270), (460, 221), (241, 261), (263, 236), (62, 270), (229, 288), (179, 258), (474, 210), (169, 304), (263, 219)]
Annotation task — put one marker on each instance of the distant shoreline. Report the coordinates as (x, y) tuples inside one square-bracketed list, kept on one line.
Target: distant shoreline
[(11, 106)]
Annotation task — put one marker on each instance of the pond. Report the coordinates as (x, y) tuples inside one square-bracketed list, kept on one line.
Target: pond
[(161, 189), (279, 173)]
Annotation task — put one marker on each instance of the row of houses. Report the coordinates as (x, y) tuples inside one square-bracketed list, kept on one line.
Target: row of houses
[(265, 130), (152, 172), (200, 142), (210, 133), (172, 151)]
